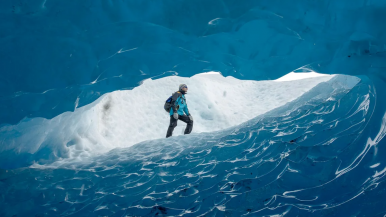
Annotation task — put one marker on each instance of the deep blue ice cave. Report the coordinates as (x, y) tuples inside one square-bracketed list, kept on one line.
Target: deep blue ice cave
[(316, 156)]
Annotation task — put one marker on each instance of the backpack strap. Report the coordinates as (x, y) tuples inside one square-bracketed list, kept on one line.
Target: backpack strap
[(174, 99)]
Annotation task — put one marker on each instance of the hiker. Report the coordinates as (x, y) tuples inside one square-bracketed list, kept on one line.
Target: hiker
[(178, 107)]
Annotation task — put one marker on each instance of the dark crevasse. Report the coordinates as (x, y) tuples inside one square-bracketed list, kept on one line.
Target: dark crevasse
[(319, 157)]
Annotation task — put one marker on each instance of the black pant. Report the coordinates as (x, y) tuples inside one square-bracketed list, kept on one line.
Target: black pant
[(173, 124)]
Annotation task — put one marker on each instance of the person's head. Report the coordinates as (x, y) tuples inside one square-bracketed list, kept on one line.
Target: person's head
[(183, 88)]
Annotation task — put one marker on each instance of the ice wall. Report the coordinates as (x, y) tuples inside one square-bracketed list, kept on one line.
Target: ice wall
[(59, 55)]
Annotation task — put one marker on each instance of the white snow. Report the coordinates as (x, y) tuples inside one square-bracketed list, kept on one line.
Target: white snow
[(300, 75), (124, 118)]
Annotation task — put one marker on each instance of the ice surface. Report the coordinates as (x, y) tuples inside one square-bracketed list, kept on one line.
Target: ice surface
[(325, 159), (125, 118), (306, 160), (56, 55)]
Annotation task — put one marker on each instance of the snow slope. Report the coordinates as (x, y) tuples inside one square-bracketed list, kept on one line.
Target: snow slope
[(124, 118)]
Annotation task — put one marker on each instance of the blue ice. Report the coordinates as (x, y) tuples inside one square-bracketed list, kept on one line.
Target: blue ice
[(320, 155)]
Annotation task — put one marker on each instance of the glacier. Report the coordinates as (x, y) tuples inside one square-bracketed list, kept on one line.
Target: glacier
[(122, 119), (319, 152)]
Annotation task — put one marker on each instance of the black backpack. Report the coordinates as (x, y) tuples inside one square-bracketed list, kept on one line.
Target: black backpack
[(168, 103)]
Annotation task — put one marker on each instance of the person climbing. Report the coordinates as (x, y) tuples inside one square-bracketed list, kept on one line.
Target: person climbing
[(178, 108)]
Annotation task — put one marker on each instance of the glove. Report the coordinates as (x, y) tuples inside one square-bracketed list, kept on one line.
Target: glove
[(190, 117), (175, 115)]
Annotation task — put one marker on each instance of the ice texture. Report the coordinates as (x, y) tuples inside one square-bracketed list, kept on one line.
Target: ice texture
[(58, 55), (322, 154), (127, 117), (300, 161)]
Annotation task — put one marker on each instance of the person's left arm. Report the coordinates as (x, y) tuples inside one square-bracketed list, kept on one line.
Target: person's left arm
[(186, 110)]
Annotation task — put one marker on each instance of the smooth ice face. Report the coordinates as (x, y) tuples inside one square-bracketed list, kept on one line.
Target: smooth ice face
[(125, 118)]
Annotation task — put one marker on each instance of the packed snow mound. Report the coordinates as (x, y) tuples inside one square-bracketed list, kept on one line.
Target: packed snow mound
[(124, 118), (292, 76)]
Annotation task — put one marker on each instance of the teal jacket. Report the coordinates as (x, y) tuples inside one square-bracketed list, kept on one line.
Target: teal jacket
[(179, 104)]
